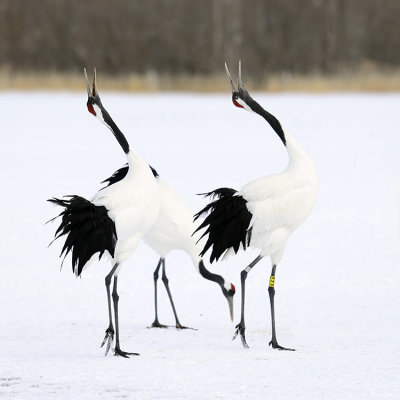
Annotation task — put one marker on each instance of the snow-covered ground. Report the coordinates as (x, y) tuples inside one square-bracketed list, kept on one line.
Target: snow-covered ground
[(337, 287)]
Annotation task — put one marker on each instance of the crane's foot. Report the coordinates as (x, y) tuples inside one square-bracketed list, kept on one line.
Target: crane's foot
[(240, 329), (275, 345), (108, 339), (156, 324), (125, 354), (179, 326)]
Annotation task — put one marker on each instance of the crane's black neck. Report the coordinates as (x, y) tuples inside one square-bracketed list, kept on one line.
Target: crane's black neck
[(273, 121), (115, 130), (206, 274)]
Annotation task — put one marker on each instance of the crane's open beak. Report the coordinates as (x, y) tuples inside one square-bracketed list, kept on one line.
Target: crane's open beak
[(91, 92), (87, 83), (230, 78), (240, 84)]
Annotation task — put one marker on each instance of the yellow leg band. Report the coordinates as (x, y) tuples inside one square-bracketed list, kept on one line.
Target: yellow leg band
[(272, 281)]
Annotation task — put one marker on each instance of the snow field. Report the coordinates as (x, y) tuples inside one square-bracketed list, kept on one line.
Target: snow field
[(337, 288)]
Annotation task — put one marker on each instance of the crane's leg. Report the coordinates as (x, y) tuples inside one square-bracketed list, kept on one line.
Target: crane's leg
[(117, 349), (241, 327), (271, 292), (157, 324), (165, 280), (108, 338)]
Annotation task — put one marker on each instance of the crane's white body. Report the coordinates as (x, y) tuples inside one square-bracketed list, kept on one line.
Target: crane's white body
[(114, 221), (265, 212), (174, 225), (140, 204), (133, 204), (279, 203), (173, 230)]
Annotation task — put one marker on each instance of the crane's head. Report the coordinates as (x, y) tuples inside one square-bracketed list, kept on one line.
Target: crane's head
[(240, 96), (229, 290), (242, 99), (95, 107), (93, 103)]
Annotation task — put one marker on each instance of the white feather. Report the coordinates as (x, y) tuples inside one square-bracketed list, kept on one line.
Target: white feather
[(133, 205), (174, 226), (281, 202)]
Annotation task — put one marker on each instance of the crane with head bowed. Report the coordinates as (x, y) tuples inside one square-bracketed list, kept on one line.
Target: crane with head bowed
[(173, 231)]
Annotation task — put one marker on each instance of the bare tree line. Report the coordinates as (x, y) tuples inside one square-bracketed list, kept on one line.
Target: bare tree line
[(197, 36)]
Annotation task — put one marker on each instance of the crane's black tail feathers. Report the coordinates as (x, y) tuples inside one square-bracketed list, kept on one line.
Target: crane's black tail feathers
[(88, 229), (227, 222)]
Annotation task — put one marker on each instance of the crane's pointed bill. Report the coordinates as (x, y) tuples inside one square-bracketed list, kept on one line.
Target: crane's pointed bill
[(87, 83), (240, 83), (230, 78), (94, 91), (230, 303)]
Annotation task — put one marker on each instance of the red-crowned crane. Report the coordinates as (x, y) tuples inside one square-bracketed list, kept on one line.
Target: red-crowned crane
[(264, 213), (173, 230), (114, 221)]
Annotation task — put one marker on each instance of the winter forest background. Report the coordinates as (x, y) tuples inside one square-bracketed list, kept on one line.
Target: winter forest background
[(171, 38)]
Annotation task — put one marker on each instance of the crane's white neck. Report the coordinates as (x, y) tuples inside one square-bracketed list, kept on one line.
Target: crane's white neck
[(137, 164), (298, 156)]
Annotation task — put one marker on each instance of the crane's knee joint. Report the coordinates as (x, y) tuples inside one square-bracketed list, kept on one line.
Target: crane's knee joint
[(165, 279), (155, 274), (108, 280), (115, 296), (243, 275)]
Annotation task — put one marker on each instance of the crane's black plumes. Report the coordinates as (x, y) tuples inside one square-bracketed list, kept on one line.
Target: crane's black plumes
[(117, 176), (227, 222), (88, 228), (120, 174)]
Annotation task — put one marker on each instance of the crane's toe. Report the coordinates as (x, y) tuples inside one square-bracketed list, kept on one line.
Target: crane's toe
[(125, 354), (108, 339), (275, 345), (240, 329), (156, 324), (179, 326)]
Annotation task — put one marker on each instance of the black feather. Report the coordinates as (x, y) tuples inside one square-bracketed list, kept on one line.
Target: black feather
[(120, 174), (88, 229), (155, 173), (117, 176), (227, 222)]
